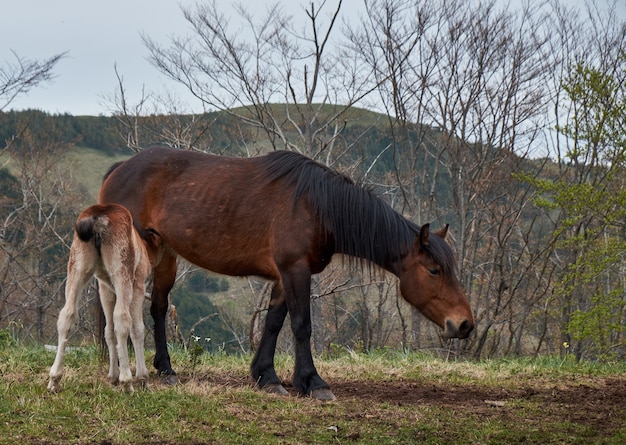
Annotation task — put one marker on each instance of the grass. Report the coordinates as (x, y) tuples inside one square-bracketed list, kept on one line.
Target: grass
[(385, 397), (88, 166)]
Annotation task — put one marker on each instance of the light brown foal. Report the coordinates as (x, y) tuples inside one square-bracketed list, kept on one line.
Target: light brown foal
[(106, 245)]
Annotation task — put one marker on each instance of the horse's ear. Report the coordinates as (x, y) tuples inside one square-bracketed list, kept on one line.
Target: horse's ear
[(422, 240), (443, 232)]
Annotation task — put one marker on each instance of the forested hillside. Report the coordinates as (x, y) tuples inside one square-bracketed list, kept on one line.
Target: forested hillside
[(83, 148), (507, 124)]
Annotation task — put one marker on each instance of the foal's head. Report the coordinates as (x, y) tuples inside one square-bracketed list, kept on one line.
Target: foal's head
[(428, 281)]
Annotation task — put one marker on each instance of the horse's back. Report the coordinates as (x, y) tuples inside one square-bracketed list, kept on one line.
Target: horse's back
[(217, 212), (160, 172)]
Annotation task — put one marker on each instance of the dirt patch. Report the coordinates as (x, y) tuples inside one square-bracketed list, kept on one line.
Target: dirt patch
[(585, 400), (599, 404), (592, 406)]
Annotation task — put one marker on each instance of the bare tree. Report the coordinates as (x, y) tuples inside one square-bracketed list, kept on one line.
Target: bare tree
[(36, 223), (284, 84), (22, 75), (465, 86), (158, 119), (285, 81), (35, 210), (471, 93)]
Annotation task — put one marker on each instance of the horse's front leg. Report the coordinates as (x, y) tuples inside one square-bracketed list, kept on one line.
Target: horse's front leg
[(262, 367), (298, 296), (164, 277)]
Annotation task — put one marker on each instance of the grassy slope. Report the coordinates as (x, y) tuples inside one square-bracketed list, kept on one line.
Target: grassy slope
[(88, 166), (383, 398)]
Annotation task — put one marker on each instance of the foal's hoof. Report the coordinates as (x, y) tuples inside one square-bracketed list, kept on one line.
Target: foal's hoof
[(127, 387), (275, 388), (323, 394), (54, 386)]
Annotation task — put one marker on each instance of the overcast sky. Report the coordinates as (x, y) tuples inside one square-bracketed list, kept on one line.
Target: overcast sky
[(97, 35)]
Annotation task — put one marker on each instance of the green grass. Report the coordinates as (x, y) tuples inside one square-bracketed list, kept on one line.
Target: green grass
[(88, 167), (385, 397)]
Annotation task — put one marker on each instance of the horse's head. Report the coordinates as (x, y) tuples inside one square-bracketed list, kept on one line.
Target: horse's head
[(428, 281)]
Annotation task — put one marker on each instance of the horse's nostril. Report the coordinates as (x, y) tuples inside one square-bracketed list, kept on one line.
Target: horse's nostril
[(465, 328)]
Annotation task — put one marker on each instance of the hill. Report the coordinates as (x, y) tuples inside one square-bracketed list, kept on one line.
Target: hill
[(428, 175)]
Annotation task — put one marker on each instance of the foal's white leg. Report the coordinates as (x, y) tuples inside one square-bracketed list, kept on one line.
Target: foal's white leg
[(77, 280), (107, 299), (121, 325), (137, 332)]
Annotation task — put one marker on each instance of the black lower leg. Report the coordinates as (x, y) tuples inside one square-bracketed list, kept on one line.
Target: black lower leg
[(162, 358), (262, 367), (305, 378)]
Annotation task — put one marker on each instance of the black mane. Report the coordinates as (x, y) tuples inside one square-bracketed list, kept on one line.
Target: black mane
[(361, 223)]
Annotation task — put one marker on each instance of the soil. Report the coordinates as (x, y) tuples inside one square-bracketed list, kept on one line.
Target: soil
[(598, 403)]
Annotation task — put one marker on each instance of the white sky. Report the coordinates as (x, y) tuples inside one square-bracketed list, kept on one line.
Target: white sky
[(97, 35)]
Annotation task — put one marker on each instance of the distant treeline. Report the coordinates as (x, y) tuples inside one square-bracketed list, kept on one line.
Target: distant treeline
[(369, 133), (97, 132)]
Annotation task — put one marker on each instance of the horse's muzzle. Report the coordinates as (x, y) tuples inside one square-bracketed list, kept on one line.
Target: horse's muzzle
[(462, 330)]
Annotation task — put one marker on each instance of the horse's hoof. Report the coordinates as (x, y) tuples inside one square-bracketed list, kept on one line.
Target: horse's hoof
[(323, 394), (275, 388), (170, 379)]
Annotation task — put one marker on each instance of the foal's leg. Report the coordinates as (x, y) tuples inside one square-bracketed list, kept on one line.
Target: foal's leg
[(262, 367), (121, 326), (137, 331), (107, 300), (297, 284), (163, 280), (77, 280)]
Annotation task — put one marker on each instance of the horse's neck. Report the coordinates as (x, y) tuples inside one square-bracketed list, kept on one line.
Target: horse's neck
[(380, 255)]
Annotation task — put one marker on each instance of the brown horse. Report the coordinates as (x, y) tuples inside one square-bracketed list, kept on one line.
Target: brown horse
[(107, 246), (281, 217)]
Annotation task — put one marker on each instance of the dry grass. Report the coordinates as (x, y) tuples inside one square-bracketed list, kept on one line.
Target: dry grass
[(384, 397)]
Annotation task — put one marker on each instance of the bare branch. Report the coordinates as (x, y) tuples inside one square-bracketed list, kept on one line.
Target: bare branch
[(22, 75)]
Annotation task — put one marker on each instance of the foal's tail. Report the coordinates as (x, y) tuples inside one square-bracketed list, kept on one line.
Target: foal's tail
[(91, 227)]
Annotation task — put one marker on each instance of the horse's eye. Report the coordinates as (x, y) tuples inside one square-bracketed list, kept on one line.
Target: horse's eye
[(434, 271)]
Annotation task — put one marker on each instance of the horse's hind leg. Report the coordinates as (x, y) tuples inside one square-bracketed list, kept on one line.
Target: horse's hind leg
[(262, 367), (77, 280), (164, 277)]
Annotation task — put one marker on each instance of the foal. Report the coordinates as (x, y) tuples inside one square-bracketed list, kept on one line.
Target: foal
[(106, 245)]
